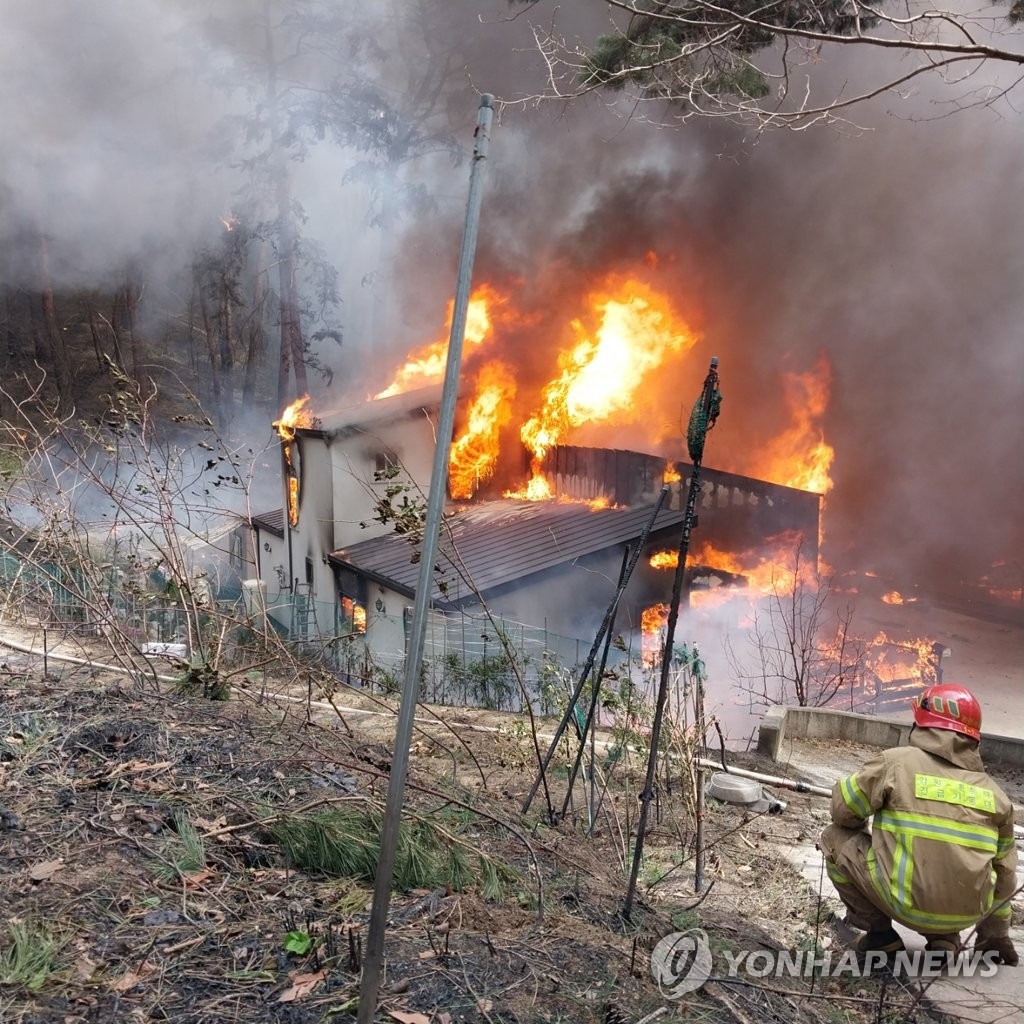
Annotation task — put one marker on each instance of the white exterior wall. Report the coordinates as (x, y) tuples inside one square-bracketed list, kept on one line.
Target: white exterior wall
[(354, 462), (337, 494), (274, 565), (311, 536), (385, 628)]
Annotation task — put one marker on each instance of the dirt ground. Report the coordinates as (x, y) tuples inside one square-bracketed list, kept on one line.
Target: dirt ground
[(142, 877)]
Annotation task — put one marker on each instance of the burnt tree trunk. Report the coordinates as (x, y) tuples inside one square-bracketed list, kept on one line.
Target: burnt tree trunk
[(10, 343), (50, 334), (132, 293), (292, 349), (211, 348), (291, 324), (257, 341), (11, 332), (227, 352), (94, 334)]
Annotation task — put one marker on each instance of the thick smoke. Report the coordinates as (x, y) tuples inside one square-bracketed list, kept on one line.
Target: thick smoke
[(894, 250)]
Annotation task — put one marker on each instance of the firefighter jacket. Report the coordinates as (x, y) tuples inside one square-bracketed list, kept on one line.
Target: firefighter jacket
[(942, 854)]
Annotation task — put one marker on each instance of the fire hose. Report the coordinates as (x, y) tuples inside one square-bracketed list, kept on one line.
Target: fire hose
[(796, 785)]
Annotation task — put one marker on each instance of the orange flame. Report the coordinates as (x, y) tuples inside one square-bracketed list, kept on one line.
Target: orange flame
[(671, 474), (664, 560), (617, 353), (295, 417), (766, 571), (1005, 582), (427, 365), (800, 457), (474, 455), (652, 619), (893, 597), (602, 372), (901, 659)]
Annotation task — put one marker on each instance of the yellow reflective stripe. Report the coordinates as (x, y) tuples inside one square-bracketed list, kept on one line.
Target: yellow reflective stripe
[(908, 915), (952, 791), (1004, 846), (977, 837), (1002, 911), (854, 798), (835, 874), (902, 870)]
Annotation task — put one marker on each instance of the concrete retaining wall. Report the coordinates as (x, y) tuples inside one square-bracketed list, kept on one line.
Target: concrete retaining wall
[(782, 723)]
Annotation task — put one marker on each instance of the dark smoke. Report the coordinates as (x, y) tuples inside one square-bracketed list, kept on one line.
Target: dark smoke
[(894, 250)]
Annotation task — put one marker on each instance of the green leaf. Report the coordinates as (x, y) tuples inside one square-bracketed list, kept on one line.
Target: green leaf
[(298, 942)]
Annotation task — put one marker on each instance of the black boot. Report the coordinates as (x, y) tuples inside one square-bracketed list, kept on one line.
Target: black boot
[(881, 940)]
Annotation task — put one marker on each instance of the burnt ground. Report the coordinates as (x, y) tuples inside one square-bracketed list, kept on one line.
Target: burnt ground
[(141, 877)]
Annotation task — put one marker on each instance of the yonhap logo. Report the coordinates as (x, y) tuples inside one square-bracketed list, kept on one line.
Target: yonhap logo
[(681, 963)]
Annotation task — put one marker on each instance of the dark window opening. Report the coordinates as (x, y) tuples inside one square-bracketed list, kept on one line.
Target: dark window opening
[(385, 464)]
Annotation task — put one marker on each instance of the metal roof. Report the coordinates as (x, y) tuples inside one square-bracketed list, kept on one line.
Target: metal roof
[(271, 521), (499, 542), (356, 418)]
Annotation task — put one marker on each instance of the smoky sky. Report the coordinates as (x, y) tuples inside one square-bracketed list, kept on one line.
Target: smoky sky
[(894, 248)]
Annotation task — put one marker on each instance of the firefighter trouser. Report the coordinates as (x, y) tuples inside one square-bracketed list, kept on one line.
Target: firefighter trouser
[(863, 910)]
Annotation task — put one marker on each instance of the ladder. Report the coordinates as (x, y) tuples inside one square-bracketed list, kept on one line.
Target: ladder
[(304, 624)]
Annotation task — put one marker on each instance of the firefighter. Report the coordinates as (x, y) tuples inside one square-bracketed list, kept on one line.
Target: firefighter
[(939, 856)]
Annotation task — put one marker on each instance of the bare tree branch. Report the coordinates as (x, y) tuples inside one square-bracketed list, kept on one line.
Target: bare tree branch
[(753, 62)]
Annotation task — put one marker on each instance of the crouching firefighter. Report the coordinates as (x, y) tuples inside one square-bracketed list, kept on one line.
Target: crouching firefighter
[(939, 856)]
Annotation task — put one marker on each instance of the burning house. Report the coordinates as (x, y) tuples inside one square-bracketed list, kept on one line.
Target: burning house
[(536, 528), (340, 560)]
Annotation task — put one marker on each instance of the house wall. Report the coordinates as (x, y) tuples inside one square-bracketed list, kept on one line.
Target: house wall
[(272, 554), (357, 454), (569, 599), (274, 565), (309, 540), (385, 626), (243, 544)]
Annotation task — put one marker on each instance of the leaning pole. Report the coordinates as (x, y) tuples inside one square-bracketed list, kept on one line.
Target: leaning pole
[(702, 419), (374, 952)]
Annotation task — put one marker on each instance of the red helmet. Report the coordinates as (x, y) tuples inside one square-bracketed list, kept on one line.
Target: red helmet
[(949, 707)]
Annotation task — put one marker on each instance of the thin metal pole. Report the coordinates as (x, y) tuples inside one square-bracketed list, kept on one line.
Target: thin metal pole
[(647, 794), (374, 954), (588, 724), (609, 616), (698, 871)]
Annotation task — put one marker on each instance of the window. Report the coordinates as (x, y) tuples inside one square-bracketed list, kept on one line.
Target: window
[(385, 464), (352, 615), (236, 556)]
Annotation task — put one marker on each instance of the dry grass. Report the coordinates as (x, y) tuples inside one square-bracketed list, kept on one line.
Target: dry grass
[(165, 858)]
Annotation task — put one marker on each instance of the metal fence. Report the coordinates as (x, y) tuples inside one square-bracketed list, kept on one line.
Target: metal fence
[(469, 659)]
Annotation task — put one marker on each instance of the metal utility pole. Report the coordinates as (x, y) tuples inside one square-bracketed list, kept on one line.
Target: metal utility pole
[(703, 417), (606, 625), (374, 953)]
